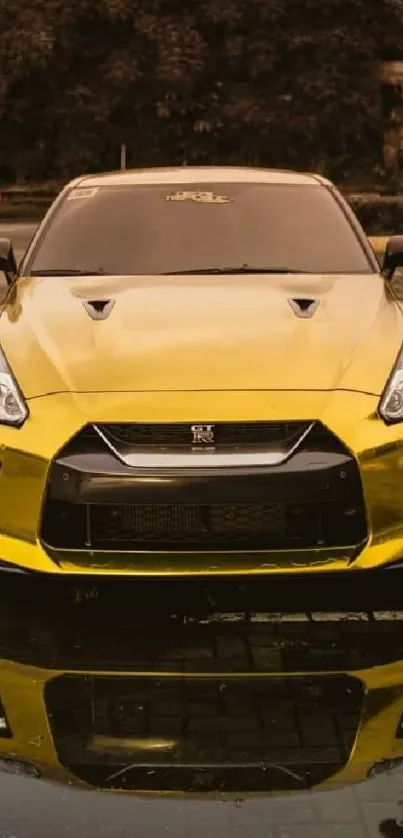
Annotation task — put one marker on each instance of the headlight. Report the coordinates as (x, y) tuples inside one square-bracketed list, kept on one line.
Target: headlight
[(391, 404), (13, 410)]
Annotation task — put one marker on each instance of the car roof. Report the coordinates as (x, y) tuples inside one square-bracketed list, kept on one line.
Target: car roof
[(199, 174)]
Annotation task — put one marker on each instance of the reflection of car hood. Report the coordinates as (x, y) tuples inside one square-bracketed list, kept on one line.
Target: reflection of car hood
[(198, 333)]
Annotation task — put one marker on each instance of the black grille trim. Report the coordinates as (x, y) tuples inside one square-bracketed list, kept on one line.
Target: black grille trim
[(314, 500)]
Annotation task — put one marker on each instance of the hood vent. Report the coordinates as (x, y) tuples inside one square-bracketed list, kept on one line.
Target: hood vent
[(99, 309), (303, 306)]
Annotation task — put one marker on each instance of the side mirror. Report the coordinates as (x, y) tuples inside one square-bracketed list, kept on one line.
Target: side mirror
[(393, 256), (7, 260)]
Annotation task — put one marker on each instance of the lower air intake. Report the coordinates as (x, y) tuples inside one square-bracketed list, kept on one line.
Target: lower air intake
[(191, 527)]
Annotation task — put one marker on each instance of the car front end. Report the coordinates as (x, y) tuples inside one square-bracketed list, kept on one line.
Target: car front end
[(85, 507), (200, 407)]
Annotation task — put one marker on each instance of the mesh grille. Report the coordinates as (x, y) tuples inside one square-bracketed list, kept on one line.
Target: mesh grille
[(226, 434), (186, 520), (180, 434), (192, 527)]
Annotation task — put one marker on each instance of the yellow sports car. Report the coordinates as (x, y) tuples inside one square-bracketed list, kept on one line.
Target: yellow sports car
[(201, 373)]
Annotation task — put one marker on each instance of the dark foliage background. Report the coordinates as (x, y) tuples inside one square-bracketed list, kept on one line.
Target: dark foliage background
[(291, 83)]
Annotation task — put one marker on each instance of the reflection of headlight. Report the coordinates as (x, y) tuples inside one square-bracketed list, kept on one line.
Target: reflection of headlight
[(385, 766), (19, 766), (114, 743), (13, 410)]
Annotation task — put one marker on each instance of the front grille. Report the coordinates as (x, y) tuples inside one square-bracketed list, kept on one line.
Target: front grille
[(184, 527), (310, 501), (244, 734), (163, 522)]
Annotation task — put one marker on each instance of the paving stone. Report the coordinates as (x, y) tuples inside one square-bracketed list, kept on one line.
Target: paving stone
[(223, 723), (282, 739), (322, 830), (167, 708), (373, 814), (278, 720), (202, 708), (165, 724), (267, 659), (231, 648), (317, 730), (338, 806), (272, 811)]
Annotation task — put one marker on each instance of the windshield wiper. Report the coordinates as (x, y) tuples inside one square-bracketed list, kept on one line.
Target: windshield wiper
[(236, 269), (68, 272)]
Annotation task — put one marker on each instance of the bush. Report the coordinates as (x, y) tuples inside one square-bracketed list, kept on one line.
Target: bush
[(262, 82), (379, 215)]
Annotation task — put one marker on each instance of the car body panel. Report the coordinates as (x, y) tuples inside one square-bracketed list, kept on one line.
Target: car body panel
[(201, 333), (27, 454)]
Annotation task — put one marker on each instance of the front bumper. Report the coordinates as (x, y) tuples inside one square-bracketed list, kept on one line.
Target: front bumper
[(370, 455)]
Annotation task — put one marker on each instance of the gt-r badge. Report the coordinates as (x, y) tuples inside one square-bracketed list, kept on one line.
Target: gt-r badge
[(203, 434)]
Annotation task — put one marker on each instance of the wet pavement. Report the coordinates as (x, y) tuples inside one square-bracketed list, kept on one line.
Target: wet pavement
[(266, 707)]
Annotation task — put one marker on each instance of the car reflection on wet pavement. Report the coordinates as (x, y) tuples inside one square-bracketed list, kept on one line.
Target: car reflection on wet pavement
[(196, 694)]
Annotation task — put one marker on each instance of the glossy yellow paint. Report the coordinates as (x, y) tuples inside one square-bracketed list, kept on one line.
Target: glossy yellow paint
[(22, 694), (25, 455), (201, 334)]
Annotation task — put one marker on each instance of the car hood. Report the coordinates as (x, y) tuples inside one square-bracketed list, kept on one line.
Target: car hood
[(201, 333)]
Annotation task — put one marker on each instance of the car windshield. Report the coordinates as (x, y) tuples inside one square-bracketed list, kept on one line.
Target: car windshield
[(211, 227)]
